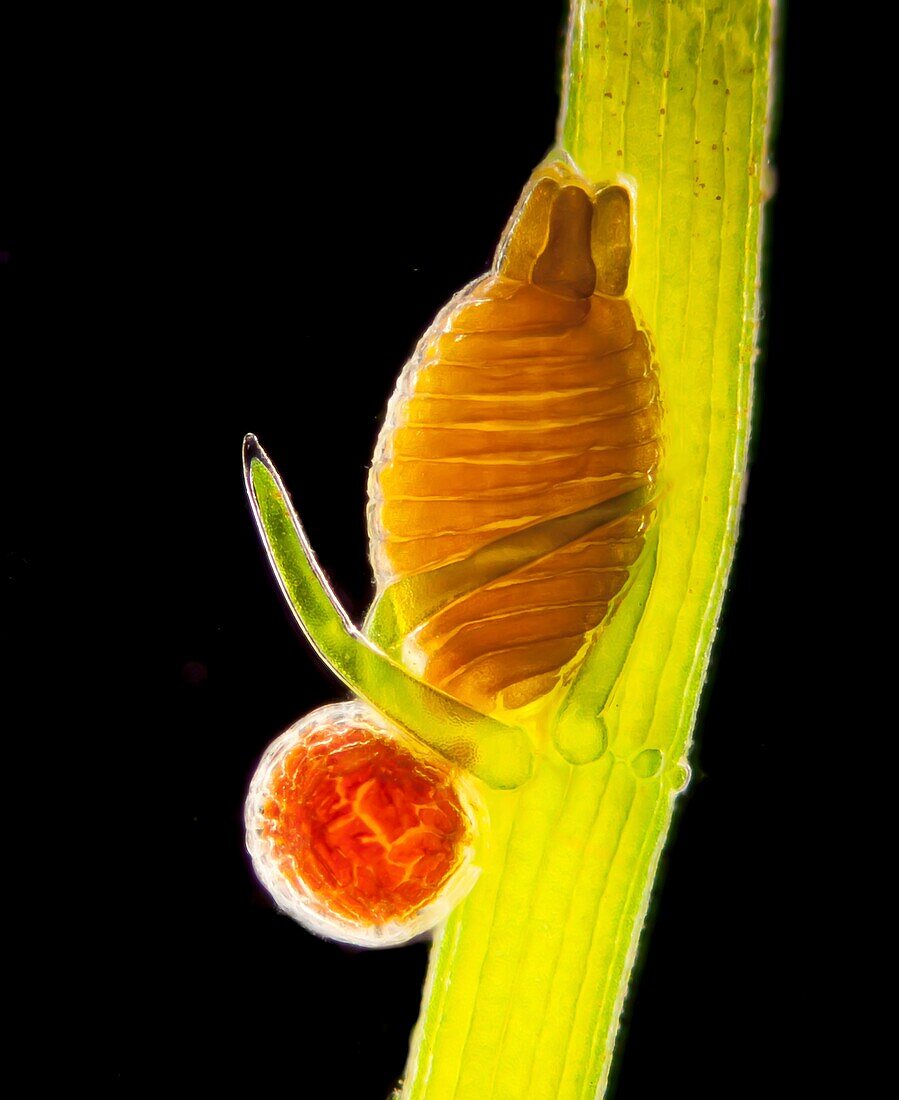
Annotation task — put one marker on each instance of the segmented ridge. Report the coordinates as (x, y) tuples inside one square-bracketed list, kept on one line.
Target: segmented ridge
[(532, 397)]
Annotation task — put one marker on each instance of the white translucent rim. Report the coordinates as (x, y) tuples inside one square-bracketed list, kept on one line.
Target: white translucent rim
[(296, 899)]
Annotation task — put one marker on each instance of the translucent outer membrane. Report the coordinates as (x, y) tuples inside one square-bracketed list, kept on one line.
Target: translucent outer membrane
[(355, 833)]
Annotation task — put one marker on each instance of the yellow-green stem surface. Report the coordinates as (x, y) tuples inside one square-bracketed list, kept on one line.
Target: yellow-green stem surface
[(528, 976)]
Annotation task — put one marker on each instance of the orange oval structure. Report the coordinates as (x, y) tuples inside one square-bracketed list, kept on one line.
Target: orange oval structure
[(355, 833), (514, 478)]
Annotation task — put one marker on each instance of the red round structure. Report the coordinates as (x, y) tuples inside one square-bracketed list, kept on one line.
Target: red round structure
[(356, 833)]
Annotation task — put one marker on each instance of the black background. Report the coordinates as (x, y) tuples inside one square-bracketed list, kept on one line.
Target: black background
[(205, 255)]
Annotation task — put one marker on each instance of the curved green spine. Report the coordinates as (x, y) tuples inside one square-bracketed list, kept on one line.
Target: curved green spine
[(498, 754)]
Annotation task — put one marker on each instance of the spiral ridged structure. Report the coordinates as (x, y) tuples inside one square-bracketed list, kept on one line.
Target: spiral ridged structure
[(515, 474)]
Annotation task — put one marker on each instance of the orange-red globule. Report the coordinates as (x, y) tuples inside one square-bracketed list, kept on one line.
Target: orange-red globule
[(355, 831)]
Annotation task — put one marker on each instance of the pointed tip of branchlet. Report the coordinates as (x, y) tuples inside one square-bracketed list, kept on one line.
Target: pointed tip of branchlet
[(253, 452), (251, 448)]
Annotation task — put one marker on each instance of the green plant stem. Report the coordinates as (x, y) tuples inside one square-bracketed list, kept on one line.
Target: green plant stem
[(528, 977)]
